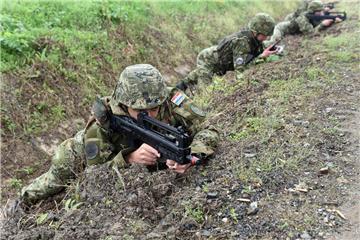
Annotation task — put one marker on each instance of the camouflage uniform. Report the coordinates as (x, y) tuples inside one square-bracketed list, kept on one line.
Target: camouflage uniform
[(297, 22), (234, 52), (97, 144)]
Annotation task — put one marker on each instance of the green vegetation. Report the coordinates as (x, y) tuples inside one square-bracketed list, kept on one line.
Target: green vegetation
[(16, 183), (68, 48), (195, 212)]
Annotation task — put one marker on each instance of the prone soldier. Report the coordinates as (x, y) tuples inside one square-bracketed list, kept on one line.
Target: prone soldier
[(234, 52), (303, 20), (140, 88)]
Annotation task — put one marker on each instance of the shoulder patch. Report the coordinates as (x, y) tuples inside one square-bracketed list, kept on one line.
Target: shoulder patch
[(91, 150), (197, 110), (239, 61), (178, 98)]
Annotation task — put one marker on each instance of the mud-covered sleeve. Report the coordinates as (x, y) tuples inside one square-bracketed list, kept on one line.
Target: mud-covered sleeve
[(205, 138)]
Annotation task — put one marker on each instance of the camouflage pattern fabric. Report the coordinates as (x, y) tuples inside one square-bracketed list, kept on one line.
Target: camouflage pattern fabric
[(300, 24), (297, 22), (140, 86), (66, 163), (239, 50), (97, 145)]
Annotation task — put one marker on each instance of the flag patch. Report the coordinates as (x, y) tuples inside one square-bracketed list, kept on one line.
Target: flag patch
[(178, 98)]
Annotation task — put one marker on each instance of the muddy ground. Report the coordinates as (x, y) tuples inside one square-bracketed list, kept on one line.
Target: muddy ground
[(315, 198)]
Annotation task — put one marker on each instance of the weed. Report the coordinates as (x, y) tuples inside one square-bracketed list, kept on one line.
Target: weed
[(15, 183), (26, 170), (71, 204), (205, 188), (41, 218), (233, 215), (58, 113), (8, 124), (194, 212)]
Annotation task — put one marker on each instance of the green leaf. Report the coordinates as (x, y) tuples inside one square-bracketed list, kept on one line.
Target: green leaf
[(41, 218)]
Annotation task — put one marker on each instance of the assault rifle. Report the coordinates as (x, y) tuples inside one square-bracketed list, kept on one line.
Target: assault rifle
[(275, 46), (329, 15), (172, 143)]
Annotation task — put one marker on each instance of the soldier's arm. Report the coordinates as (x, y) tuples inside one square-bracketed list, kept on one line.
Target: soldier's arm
[(205, 138), (99, 148), (306, 27), (101, 145), (241, 56)]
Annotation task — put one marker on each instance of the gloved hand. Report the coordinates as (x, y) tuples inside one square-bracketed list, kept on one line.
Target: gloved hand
[(181, 85)]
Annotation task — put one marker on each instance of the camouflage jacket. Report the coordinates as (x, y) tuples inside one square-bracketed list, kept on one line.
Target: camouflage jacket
[(300, 23), (177, 110), (237, 50)]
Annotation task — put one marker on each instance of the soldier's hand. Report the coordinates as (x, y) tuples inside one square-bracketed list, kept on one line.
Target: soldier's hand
[(267, 52), (327, 22), (174, 166), (337, 20), (145, 154)]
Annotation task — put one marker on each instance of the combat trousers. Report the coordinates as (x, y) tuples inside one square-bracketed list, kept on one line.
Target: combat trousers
[(67, 162), (206, 64)]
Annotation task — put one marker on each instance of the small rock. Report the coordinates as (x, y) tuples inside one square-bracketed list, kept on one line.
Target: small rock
[(205, 233), (225, 220), (342, 180), (332, 217), (324, 170), (250, 155), (321, 234), (329, 109), (189, 226), (212, 195), (253, 208), (326, 219), (305, 235)]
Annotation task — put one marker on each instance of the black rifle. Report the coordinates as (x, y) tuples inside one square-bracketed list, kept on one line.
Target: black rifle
[(274, 47), (329, 15), (172, 143)]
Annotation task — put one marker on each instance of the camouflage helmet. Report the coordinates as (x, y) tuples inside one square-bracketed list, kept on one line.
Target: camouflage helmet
[(262, 23), (315, 6), (140, 87)]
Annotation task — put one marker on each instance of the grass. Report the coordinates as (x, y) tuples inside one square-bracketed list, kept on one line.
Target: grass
[(284, 153), (59, 45)]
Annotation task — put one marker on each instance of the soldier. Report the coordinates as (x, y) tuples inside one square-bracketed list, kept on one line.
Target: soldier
[(140, 88), (234, 52), (298, 22)]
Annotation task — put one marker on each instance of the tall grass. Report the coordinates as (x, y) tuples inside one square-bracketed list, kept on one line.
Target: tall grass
[(82, 25)]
